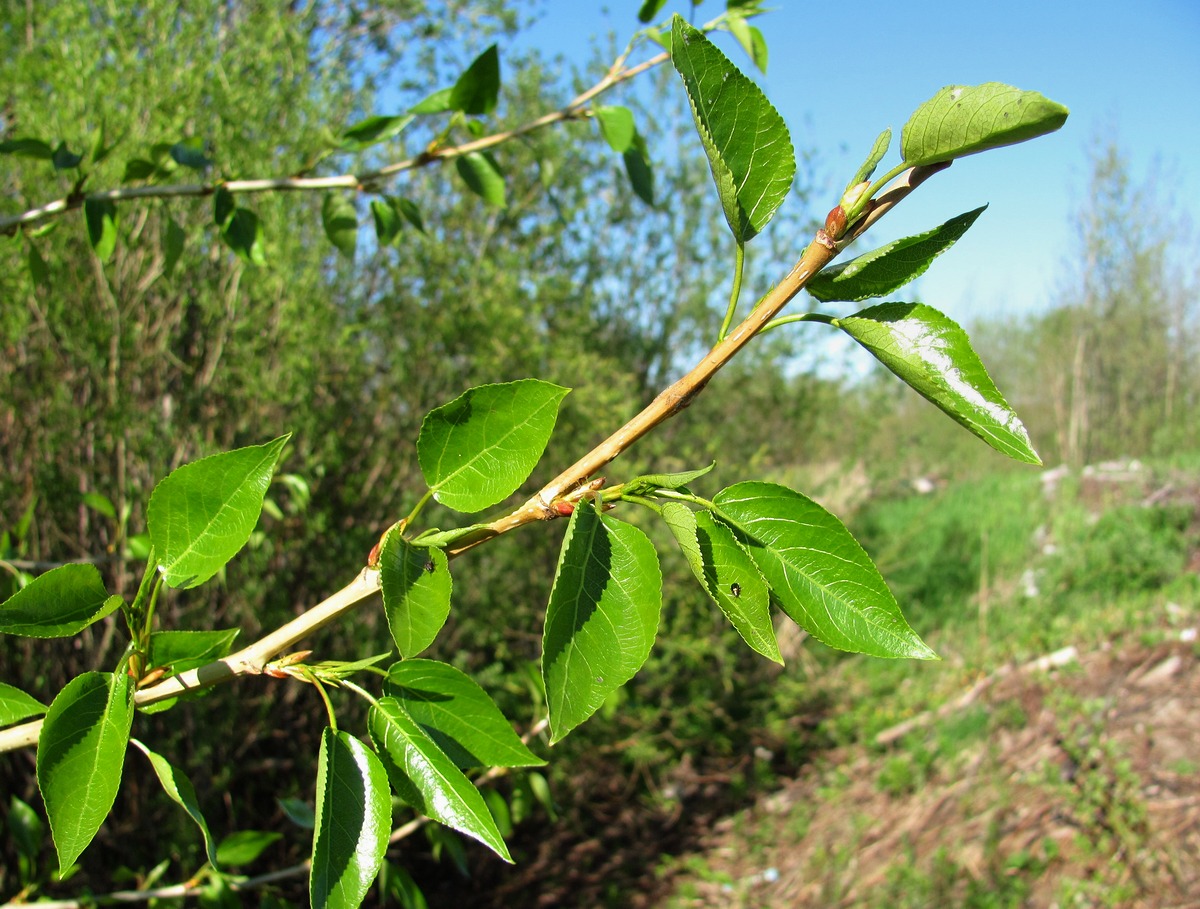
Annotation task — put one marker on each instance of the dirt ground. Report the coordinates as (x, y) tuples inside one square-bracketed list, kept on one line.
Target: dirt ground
[(1084, 790)]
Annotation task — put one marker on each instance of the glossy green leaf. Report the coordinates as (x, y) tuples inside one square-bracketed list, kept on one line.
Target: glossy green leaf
[(353, 822), (478, 89), (244, 235), (639, 169), (882, 143), (724, 568), (388, 223), (602, 617), (373, 130), (650, 9), (752, 41), (190, 153), (203, 512), (57, 604), (425, 777), (243, 847), (81, 752), (180, 790), (172, 246), (616, 126), (101, 217), (458, 715), (340, 221), (416, 592), (476, 450), (966, 119), (817, 571), (64, 159), (890, 267), (16, 705), (184, 650), (482, 176), (747, 143), (934, 355), (27, 148)]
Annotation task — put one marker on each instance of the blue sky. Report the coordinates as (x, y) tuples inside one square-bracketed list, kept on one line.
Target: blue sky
[(1130, 72)]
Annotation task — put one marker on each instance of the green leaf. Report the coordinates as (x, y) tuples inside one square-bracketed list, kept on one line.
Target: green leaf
[(138, 169), (751, 39), (724, 568), (353, 821), (818, 572), (966, 119), (180, 790), (616, 126), (373, 130), (476, 450), (747, 143), (416, 592), (647, 483), (57, 604), (27, 148), (299, 812), (100, 503), (478, 89), (190, 153), (387, 222), (424, 777), (602, 617), (890, 267), (101, 217), (437, 103), (81, 752), (203, 513), (340, 221), (16, 705), (172, 246), (933, 354), (64, 159), (224, 206), (39, 271), (244, 235), (244, 847), (183, 650), (409, 210), (458, 715), (638, 169), (24, 829), (882, 143), (650, 9), (483, 177)]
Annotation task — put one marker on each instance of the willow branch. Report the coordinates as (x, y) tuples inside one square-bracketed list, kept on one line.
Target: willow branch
[(254, 658), (369, 178)]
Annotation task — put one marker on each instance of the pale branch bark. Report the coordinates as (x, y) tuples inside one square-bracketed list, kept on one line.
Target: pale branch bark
[(253, 659), (369, 179)]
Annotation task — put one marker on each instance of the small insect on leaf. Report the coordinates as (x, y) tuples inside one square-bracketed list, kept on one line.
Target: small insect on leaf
[(429, 566), (735, 589)]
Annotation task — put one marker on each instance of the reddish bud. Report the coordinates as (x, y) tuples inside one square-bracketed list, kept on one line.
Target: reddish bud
[(835, 222), (373, 556), (563, 508)]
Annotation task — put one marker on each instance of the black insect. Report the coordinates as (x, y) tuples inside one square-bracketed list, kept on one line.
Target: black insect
[(429, 566), (735, 589)]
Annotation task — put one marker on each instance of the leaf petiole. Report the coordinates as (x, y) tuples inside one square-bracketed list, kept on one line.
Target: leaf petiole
[(739, 265), (803, 317)]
